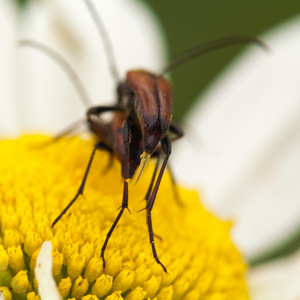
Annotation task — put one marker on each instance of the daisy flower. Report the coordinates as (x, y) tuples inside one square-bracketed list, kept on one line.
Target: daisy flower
[(38, 262)]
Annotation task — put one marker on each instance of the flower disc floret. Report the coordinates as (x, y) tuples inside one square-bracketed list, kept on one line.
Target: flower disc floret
[(38, 179)]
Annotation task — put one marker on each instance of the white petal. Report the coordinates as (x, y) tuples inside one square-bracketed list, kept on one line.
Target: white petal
[(49, 100), (249, 123), (8, 28), (277, 280), (43, 272)]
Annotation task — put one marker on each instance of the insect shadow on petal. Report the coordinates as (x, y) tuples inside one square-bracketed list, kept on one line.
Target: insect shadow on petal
[(141, 126)]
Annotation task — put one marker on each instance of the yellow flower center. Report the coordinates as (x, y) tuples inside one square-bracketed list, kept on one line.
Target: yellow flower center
[(38, 181)]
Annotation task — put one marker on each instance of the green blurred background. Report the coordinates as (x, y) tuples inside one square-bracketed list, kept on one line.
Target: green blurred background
[(191, 22)]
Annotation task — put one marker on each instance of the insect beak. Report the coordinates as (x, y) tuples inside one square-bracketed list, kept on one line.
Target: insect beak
[(145, 157)]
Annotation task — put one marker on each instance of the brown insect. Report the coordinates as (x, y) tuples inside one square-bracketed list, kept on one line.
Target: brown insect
[(141, 124)]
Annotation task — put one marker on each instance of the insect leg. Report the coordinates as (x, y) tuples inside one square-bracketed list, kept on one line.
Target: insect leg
[(177, 130), (152, 179), (68, 130), (71, 128), (150, 189), (81, 188), (166, 146), (126, 139), (96, 110), (174, 187)]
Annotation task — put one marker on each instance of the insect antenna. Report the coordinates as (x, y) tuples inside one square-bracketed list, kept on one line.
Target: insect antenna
[(212, 46), (105, 38), (64, 65)]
